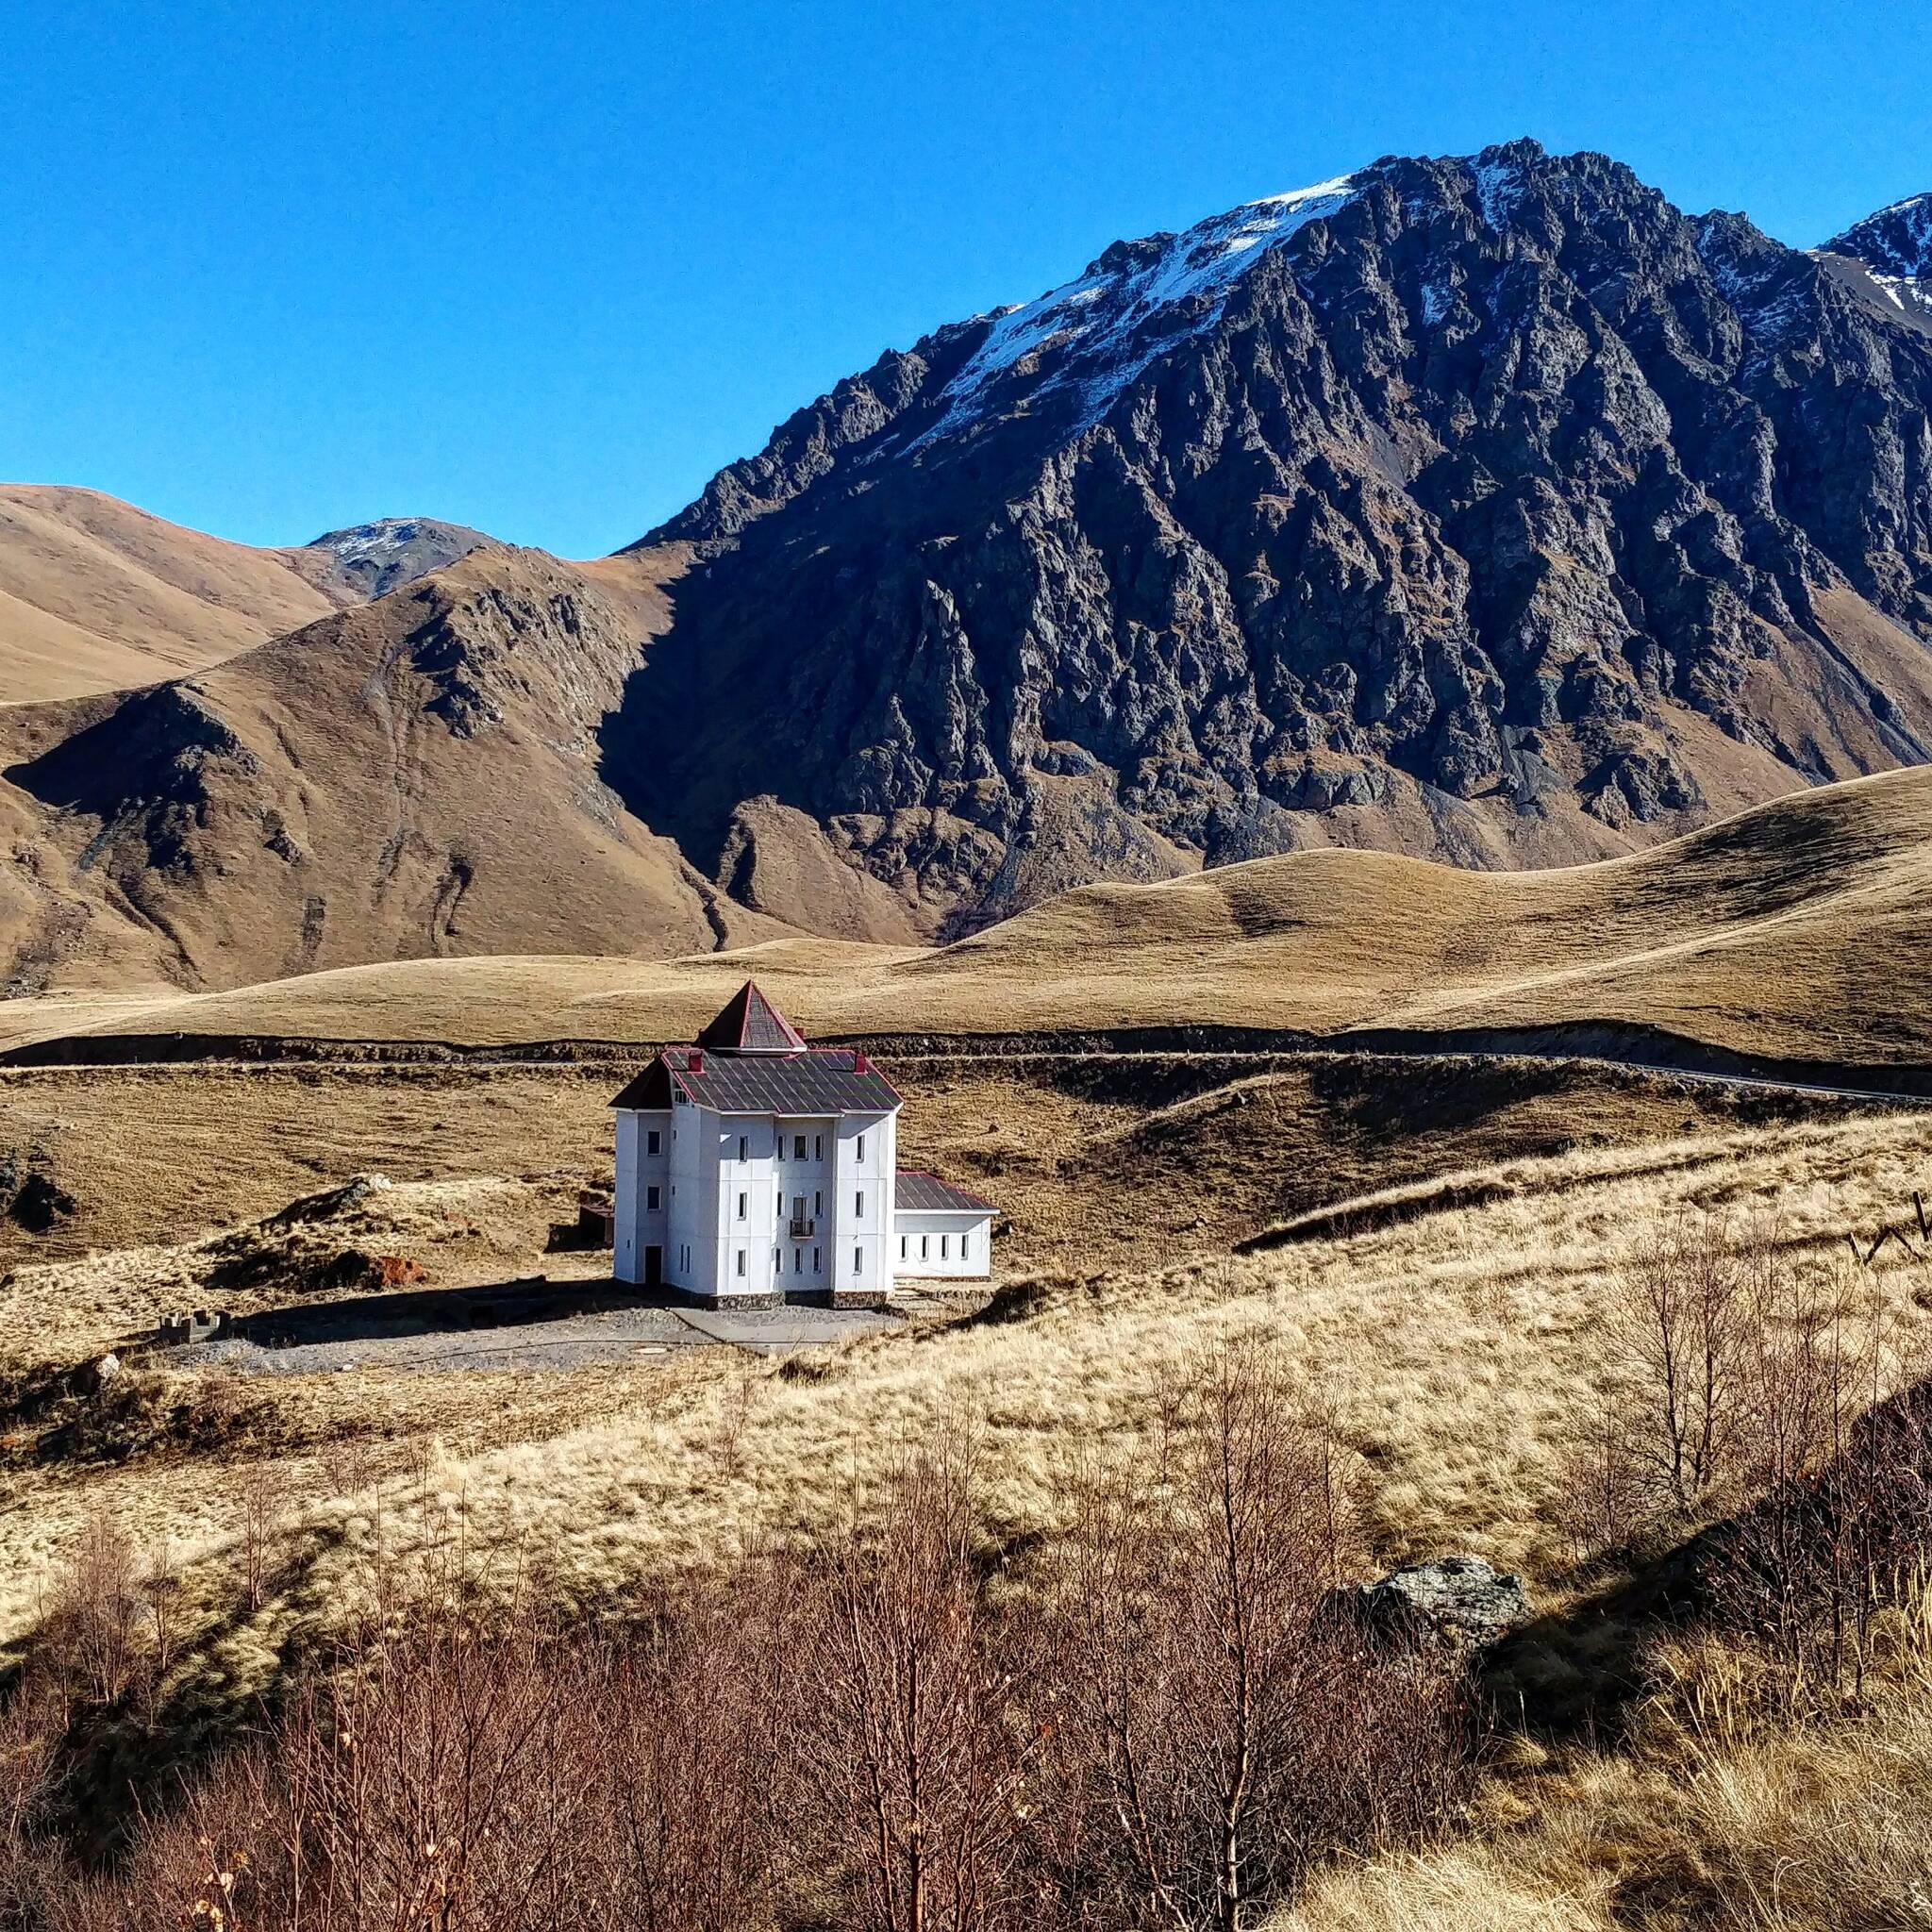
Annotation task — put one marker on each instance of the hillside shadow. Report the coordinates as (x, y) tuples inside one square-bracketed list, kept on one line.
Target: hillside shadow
[(524, 1302)]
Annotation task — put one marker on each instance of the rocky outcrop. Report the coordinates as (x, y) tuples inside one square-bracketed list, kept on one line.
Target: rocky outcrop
[(1491, 509)]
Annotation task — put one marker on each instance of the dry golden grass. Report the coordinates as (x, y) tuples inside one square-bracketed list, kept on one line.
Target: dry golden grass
[(1457, 1352), (1798, 929)]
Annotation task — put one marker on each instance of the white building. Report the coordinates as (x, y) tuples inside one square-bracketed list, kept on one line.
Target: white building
[(752, 1167)]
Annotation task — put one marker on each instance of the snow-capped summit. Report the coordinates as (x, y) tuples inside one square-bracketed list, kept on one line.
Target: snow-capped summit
[(1894, 246), (393, 551), (1132, 304)]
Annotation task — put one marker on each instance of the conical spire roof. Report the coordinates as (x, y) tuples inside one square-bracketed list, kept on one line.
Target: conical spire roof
[(751, 1023)]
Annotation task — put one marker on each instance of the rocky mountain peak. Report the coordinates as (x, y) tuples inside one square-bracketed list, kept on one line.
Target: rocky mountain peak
[(377, 557), (1895, 246), (1485, 506)]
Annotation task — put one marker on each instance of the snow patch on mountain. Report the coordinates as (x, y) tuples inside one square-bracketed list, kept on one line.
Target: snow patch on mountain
[(1131, 306)]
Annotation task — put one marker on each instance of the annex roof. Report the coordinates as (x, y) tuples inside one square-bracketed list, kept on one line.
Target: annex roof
[(915, 1189), (751, 1023), (815, 1081)]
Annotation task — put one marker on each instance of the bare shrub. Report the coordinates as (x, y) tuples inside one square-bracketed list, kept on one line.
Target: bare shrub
[(691, 1731), (261, 1510), (1682, 1312), (1214, 1723), (93, 1628), (909, 1746)]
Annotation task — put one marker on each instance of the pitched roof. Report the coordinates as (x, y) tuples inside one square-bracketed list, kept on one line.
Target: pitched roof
[(818, 1081), (916, 1188), (751, 1023)]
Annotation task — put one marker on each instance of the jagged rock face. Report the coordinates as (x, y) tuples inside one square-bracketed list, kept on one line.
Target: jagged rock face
[(1490, 509)]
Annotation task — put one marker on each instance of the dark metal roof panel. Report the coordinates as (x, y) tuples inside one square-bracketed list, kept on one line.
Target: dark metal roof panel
[(915, 1188), (830, 1081), (751, 1023)]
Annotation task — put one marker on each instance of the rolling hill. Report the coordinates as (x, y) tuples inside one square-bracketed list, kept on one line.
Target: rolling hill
[(414, 776), (97, 595), (1799, 930)]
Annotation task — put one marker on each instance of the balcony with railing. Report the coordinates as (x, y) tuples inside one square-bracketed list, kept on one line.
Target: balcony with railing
[(802, 1227)]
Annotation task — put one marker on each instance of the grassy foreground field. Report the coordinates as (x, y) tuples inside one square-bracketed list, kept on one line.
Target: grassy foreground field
[(1800, 929), (1434, 1247)]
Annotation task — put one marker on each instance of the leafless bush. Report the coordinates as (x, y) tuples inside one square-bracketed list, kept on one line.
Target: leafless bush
[(910, 1747), (1214, 1723), (93, 1628)]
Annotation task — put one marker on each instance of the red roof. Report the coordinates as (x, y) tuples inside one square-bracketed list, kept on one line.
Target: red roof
[(751, 1023)]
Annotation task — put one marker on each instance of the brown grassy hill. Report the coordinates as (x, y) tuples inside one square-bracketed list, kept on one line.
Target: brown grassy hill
[(415, 776), (98, 595), (1800, 928)]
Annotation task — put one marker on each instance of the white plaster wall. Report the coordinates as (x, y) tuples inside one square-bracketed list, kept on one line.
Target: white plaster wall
[(929, 1225), (866, 1165), (637, 1226)]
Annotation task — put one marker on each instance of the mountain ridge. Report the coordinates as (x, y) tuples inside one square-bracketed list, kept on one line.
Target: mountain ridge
[(1488, 509)]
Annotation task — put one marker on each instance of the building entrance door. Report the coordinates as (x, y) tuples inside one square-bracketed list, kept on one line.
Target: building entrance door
[(653, 1267)]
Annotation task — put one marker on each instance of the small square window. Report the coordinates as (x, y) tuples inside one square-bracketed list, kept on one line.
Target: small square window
[(654, 1142)]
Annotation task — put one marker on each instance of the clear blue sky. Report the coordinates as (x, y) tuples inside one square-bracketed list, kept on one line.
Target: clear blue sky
[(272, 268)]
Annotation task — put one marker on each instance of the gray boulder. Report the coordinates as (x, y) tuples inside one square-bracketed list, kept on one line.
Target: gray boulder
[(1459, 1600)]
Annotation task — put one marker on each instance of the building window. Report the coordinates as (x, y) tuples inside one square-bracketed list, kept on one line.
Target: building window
[(857, 1262), (861, 1147), (740, 1262), (924, 1247), (963, 1240), (745, 1147), (859, 1204), (942, 1247), (654, 1199), (905, 1242), (744, 1204), (818, 1146), (818, 1201), (777, 1260), (654, 1142), (778, 1207), (798, 1147), (798, 1260), (814, 1260)]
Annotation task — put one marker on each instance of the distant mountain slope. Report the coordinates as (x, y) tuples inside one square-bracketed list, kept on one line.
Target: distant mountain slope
[(1489, 509), (1802, 930), (413, 777), (98, 595), (378, 557)]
